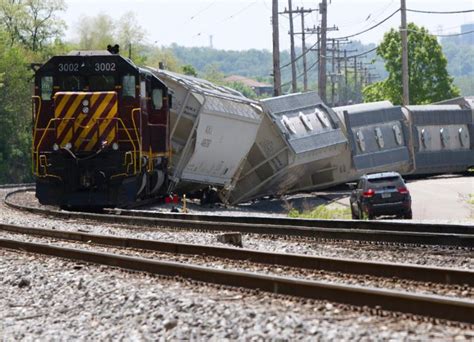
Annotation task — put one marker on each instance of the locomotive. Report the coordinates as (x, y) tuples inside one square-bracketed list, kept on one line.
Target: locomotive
[(101, 131)]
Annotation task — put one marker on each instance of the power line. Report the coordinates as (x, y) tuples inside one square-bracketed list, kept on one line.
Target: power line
[(370, 28), (441, 35), (201, 11), (452, 35), (440, 12), (372, 16), (300, 56), (300, 75), (363, 53)]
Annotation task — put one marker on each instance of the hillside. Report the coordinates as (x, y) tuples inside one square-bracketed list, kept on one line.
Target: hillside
[(257, 64)]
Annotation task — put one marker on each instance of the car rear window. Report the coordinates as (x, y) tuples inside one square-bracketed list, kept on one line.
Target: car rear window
[(379, 183)]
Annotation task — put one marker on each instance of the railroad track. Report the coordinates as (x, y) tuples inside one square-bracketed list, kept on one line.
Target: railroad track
[(20, 185), (419, 304), (375, 231)]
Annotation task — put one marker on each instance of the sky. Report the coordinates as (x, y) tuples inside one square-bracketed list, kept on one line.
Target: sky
[(246, 24)]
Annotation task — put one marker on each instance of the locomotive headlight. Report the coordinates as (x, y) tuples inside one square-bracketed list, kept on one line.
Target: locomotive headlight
[(85, 110), (115, 146), (85, 103), (55, 147), (68, 146)]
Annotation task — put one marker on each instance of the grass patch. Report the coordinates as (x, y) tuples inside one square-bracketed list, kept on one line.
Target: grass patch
[(322, 212)]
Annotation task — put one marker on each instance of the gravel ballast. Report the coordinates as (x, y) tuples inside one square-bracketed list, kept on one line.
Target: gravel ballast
[(52, 299)]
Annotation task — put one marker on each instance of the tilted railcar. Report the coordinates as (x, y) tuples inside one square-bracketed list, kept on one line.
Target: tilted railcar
[(379, 138), (100, 135)]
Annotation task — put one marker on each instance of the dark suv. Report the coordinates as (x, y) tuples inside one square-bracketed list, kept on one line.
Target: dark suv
[(380, 194)]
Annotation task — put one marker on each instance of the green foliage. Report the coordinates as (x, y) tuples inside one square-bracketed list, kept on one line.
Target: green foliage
[(460, 56), (242, 88), (155, 56), (465, 84), (213, 73), (189, 70), (15, 109), (429, 80), (323, 212), (32, 23), (96, 33)]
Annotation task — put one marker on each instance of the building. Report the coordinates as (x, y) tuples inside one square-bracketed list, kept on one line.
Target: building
[(258, 87)]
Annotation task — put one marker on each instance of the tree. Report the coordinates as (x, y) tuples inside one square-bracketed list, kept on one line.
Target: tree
[(189, 70), (15, 113), (95, 33), (429, 80), (32, 23)]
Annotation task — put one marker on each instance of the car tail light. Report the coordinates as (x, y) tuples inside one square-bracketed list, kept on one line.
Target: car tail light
[(403, 190), (369, 193)]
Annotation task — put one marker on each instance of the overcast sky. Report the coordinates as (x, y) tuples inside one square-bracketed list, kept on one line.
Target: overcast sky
[(246, 24)]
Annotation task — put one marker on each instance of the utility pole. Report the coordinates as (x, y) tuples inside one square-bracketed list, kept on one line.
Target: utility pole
[(345, 77), (355, 78), (404, 38), (276, 51), (323, 9), (303, 42), (294, 86), (333, 71)]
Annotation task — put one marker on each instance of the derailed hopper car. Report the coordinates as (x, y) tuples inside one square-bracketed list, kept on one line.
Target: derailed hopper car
[(379, 137), (212, 129), (443, 138), (299, 146)]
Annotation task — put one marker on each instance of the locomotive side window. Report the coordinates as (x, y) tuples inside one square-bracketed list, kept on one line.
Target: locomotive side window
[(128, 86), (46, 87), (101, 82), (71, 82), (157, 98)]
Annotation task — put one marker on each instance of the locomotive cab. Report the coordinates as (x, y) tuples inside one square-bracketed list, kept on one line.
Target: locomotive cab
[(100, 136)]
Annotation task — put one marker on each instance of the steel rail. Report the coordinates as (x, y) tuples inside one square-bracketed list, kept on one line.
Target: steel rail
[(348, 266), (418, 304), (20, 185), (281, 221), (347, 233), (296, 222)]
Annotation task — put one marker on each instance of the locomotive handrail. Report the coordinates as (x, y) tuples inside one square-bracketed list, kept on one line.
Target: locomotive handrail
[(138, 138), (35, 128), (39, 144)]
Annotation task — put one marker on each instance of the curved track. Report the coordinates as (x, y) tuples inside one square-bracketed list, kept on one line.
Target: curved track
[(375, 231), (419, 304)]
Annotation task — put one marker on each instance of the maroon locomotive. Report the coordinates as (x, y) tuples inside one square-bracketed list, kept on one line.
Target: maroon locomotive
[(101, 131)]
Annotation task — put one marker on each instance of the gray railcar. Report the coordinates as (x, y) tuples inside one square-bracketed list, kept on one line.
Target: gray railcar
[(300, 145), (379, 138), (442, 138)]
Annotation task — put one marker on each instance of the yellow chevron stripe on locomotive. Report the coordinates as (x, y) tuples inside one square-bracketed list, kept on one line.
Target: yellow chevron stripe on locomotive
[(85, 121)]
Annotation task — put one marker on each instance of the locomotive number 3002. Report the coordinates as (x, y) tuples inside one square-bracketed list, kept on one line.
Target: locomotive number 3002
[(72, 67), (68, 67), (104, 67)]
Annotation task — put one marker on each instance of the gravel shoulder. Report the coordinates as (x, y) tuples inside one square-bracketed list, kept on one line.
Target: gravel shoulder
[(53, 299)]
